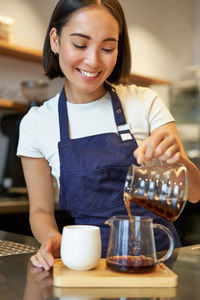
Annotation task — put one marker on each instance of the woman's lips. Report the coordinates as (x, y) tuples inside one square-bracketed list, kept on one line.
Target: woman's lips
[(89, 74)]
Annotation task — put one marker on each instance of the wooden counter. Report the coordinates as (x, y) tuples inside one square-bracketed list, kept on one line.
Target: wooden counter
[(11, 105), (20, 52)]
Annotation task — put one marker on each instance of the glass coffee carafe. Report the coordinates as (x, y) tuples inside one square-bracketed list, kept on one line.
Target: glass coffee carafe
[(161, 189), (131, 246)]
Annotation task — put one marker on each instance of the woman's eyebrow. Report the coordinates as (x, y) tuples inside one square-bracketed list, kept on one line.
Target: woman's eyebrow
[(110, 40), (89, 38), (81, 35)]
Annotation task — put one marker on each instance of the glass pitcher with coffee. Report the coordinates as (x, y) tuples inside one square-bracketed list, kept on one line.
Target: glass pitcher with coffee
[(161, 189), (131, 246)]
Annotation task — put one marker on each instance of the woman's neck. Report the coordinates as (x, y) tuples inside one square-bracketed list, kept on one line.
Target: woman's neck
[(76, 96)]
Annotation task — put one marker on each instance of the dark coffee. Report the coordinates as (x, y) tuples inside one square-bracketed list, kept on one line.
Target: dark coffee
[(131, 264), (168, 209)]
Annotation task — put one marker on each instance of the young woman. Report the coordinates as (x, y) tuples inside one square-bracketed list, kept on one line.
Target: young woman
[(88, 135)]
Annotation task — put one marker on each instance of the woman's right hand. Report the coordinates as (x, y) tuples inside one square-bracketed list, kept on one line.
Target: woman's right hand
[(50, 249)]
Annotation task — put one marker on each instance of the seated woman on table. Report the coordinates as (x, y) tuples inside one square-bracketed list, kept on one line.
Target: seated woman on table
[(78, 136)]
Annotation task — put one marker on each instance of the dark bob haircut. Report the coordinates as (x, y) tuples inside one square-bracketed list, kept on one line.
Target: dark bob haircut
[(61, 15)]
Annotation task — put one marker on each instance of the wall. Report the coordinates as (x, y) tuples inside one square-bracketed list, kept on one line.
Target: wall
[(197, 35), (31, 18), (164, 35)]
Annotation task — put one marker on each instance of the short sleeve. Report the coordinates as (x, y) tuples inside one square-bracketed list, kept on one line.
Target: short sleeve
[(28, 144), (155, 109)]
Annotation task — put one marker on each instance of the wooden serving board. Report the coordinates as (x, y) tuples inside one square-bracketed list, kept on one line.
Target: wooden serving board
[(114, 293), (101, 276)]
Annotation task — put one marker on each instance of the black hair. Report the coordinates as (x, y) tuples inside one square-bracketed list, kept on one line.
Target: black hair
[(61, 15)]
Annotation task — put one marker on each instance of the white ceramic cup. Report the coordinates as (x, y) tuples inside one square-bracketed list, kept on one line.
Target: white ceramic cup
[(81, 246)]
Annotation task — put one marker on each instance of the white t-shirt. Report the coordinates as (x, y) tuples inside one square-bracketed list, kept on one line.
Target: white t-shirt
[(40, 133)]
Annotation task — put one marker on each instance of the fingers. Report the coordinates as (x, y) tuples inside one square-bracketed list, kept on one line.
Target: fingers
[(43, 259), (35, 261), (163, 146), (174, 159), (139, 154), (38, 261), (167, 147), (53, 244), (146, 150)]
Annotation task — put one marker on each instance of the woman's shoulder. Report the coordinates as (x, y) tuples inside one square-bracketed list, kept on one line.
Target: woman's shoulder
[(143, 103), (133, 90), (48, 107)]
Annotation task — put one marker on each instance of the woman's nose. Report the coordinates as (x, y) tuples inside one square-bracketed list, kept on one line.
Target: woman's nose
[(92, 58)]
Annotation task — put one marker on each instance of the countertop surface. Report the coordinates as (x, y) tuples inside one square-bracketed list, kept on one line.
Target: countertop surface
[(14, 200), (20, 280), (16, 204)]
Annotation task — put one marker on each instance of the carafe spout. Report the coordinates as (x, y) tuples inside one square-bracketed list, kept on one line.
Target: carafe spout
[(115, 220), (109, 222)]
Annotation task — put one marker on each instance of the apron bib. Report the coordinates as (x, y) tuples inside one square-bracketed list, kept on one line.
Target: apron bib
[(93, 171)]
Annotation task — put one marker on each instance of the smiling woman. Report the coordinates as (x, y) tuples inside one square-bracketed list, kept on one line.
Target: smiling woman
[(77, 136), (121, 72), (87, 50)]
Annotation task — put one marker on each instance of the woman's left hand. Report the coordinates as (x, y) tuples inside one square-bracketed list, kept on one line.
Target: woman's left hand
[(165, 144), (162, 144)]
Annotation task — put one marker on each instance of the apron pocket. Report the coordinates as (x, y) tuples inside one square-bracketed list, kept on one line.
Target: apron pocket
[(96, 191)]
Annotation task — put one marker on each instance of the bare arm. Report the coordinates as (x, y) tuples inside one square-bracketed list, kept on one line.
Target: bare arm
[(165, 144), (39, 183)]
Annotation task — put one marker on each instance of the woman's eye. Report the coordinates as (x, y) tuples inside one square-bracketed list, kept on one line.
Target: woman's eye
[(108, 50), (78, 46)]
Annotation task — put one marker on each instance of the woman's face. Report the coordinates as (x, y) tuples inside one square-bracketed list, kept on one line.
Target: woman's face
[(88, 49)]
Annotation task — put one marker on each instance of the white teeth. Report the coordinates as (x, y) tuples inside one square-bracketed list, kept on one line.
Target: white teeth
[(89, 74)]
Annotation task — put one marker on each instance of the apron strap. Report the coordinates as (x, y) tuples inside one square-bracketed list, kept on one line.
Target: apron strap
[(63, 116), (124, 132), (117, 107)]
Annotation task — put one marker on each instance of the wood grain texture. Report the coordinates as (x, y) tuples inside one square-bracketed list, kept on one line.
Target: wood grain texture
[(20, 52), (101, 276)]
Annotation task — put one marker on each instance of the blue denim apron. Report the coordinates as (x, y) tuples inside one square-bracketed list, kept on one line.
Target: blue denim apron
[(93, 171)]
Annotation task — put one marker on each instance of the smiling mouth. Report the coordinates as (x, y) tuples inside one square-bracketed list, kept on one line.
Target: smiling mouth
[(88, 74)]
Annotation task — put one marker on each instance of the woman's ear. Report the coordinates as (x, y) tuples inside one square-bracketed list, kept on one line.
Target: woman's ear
[(54, 40)]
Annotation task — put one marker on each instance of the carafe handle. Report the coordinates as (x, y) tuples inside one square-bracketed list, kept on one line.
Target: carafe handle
[(171, 240)]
